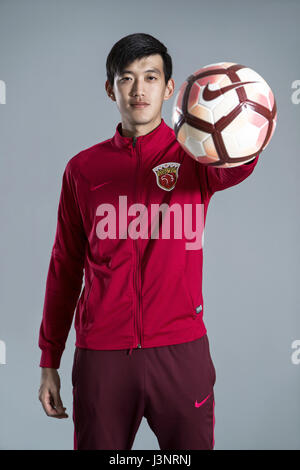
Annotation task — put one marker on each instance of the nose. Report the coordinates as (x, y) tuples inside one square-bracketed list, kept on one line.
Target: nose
[(138, 88)]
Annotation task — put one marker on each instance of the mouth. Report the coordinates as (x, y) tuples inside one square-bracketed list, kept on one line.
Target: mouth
[(139, 105)]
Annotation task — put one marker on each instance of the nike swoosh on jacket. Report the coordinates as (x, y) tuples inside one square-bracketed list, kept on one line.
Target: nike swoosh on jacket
[(142, 292)]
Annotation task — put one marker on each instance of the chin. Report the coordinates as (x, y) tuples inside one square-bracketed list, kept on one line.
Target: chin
[(141, 120)]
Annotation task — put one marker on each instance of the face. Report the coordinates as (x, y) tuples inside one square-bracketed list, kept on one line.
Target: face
[(142, 81)]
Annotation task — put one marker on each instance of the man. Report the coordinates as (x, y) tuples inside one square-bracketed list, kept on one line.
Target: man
[(141, 344)]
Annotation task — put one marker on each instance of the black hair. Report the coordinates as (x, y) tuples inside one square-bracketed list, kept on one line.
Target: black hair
[(132, 47)]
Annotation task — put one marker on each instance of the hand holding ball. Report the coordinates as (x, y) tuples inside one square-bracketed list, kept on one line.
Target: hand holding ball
[(224, 114)]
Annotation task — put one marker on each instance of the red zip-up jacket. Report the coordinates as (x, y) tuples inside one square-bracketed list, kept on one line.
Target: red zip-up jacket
[(138, 291)]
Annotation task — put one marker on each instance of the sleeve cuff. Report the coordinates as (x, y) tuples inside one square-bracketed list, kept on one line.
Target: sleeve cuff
[(50, 359)]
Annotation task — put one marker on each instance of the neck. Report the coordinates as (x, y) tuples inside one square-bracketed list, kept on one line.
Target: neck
[(136, 130)]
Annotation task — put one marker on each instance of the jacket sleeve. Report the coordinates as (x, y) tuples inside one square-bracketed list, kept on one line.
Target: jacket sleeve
[(223, 178), (64, 279)]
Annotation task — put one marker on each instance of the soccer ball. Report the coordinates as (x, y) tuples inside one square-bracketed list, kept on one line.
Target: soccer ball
[(224, 114)]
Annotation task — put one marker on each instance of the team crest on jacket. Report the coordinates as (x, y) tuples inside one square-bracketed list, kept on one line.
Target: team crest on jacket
[(166, 175)]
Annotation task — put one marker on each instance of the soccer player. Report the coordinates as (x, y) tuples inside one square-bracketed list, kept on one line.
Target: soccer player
[(141, 343)]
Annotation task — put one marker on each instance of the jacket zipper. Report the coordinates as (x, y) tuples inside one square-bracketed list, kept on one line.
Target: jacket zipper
[(139, 345)]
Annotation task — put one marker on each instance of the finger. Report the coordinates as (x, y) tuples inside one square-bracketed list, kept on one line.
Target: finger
[(58, 405), (55, 413), (59, 416), (48, 405)]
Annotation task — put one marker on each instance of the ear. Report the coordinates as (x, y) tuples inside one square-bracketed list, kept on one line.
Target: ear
[(169, 89), (109, 90)]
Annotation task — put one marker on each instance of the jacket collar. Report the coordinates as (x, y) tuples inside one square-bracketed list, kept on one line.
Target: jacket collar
[(151, 142)]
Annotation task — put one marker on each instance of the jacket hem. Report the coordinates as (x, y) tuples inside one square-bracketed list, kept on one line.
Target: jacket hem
[(176, 337)]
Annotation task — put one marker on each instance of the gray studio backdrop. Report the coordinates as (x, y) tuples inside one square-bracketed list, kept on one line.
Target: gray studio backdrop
[(52, 70)]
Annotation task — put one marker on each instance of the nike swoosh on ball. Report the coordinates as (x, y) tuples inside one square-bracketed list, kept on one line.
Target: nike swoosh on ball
[(209, 95)]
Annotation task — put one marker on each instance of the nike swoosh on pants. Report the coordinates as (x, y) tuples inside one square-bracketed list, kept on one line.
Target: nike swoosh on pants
[(197, 405)]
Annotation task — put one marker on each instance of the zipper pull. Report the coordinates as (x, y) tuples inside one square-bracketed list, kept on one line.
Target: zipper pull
[(134, 141)]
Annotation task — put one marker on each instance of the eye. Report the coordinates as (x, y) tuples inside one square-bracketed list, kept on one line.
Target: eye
[(128, 78)]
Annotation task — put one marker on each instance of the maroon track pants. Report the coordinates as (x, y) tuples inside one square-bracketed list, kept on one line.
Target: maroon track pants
[(172, 386)]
